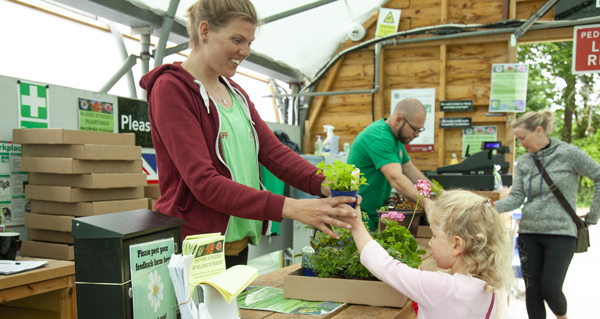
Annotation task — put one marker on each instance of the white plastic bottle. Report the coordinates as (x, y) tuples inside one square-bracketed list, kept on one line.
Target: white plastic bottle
[(328, 139), (319, 146)]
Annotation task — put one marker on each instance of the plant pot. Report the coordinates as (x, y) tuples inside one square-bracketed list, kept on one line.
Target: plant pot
[(336, 193), (308, 272), (413, 228)]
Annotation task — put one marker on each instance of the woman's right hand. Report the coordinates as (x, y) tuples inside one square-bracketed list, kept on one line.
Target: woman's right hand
[(320, 213)]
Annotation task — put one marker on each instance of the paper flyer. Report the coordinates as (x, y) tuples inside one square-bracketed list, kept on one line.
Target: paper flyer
[(477, 134), (269, 298), (209, 260), (508, 92), (152, 288)]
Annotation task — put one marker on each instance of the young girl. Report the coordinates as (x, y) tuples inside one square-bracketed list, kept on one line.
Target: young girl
[(468, 239)]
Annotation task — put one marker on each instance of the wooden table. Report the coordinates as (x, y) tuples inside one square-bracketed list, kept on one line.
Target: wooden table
[(275, 279), (348, 311), (47, 292)]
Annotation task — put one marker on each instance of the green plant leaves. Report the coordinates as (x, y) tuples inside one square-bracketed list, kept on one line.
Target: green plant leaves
[(334, 257), (340, 177)]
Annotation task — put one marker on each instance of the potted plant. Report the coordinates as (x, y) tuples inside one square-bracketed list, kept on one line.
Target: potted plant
[(335, 256), (342, 178)]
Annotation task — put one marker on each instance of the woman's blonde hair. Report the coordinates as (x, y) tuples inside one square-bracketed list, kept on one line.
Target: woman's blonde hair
[(531, 120), (218, 14), (487, 250)]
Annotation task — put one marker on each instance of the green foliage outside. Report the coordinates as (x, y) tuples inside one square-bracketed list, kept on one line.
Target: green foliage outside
[(572, 97)]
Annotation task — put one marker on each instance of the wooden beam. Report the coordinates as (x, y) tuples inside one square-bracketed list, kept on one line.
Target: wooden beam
[(444, 13), (547, 35), (319, 103), (379, 99), (512, 11), (442, 96)]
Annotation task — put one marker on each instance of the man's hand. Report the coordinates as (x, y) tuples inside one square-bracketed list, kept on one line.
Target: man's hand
[(320, 213)]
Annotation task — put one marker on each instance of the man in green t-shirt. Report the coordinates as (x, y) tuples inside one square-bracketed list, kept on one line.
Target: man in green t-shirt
[(378, 151)]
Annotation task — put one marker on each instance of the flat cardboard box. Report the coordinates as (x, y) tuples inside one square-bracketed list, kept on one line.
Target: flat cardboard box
[(95, 180), (50, 236), (59, 165), (71, 195), (83, 151), (364, 292), (424, 232), (49, 222), (151, 202), (62, 136), (83, 209), (47, 250), (151, 191)]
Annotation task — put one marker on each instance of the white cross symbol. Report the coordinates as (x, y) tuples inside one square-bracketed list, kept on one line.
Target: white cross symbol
[(34, 102)]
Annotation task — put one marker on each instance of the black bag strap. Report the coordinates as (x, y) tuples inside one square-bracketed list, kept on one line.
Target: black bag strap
[(561, 198)]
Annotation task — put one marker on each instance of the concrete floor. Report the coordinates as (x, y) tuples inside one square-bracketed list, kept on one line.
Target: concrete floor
[(581, 286)]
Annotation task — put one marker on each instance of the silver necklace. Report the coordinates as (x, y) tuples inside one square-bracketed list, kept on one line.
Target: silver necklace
[(193, 68)]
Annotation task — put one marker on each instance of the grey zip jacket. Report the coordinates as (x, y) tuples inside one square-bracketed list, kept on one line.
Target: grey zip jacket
[(542, 212)]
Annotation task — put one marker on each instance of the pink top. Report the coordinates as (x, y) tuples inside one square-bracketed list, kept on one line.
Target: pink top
[(438, 294)]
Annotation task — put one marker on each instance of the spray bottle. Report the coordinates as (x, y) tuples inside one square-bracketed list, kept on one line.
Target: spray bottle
[(319, 146), (328, 139)]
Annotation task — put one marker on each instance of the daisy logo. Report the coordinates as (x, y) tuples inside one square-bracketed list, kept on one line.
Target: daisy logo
[(156, 287)]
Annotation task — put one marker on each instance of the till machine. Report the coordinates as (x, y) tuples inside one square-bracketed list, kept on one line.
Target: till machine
[(476, 172)]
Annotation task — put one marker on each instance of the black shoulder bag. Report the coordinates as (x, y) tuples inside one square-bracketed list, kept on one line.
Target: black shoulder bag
[(583, 235)]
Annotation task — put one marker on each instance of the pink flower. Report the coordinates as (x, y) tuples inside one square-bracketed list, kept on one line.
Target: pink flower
[(396, 216), (423, 188), (384, 218)]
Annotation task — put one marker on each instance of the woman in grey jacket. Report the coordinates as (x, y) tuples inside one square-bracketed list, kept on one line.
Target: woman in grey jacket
[(547, 234)]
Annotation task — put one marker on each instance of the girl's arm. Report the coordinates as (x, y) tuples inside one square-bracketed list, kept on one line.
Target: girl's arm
[(424, 287), (359, 232)]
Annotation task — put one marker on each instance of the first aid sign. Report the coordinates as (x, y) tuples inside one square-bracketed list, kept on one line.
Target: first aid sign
[(586, 49)]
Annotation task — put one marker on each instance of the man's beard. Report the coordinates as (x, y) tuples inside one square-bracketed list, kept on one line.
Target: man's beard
[(403, 139)]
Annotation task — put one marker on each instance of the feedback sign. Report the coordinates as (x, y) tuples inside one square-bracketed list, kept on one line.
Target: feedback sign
[(586, 49)]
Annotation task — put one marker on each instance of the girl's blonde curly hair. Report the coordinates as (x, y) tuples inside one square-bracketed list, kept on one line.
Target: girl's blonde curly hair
[(487, 249)]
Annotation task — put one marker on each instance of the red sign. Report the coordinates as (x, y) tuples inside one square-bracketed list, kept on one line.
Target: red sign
[(586, 49)]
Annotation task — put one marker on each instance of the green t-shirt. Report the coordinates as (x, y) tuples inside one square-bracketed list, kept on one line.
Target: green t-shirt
[(239, 152), (373, 148)]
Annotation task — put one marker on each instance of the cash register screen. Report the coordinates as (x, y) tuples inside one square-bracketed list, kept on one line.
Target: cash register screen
[(491, 145)]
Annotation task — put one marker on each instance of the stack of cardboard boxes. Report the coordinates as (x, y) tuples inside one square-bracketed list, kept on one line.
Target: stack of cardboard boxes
[(73, 174), (151, 192)]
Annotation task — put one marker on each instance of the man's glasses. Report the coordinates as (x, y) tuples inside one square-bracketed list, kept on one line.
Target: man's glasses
[(415, 130)]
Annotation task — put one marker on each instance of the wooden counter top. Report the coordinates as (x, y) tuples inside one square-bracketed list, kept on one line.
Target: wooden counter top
[(495, 194), (53, 269)]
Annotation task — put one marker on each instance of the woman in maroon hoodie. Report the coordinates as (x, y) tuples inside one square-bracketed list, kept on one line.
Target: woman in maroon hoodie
[(210, 140)]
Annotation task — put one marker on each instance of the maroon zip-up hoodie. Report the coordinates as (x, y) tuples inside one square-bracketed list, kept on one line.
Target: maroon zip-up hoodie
[(195, 182)]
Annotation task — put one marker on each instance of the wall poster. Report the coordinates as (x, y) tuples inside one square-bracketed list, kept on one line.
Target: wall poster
[(475, 135), (13, 204), (508, 92), (96, 116)]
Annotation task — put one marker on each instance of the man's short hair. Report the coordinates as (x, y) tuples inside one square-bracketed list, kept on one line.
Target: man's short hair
[(408, 108)]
